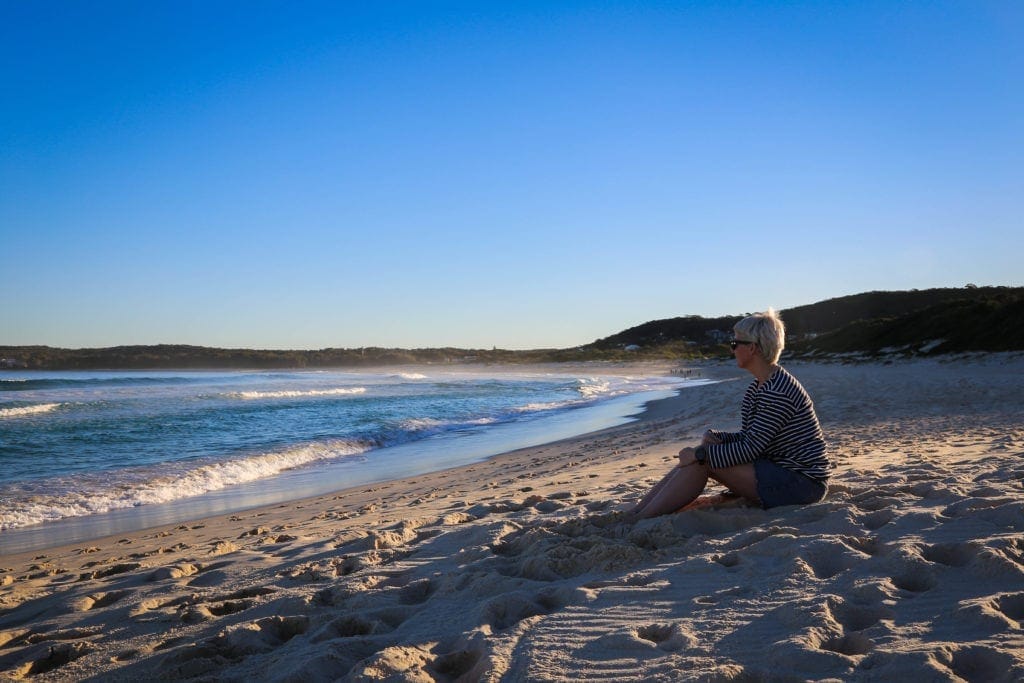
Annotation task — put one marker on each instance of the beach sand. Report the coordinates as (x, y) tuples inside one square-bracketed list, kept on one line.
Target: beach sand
[(522, 568)]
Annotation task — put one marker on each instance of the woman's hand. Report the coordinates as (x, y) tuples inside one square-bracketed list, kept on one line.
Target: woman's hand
[(709, 439), (686, 457)]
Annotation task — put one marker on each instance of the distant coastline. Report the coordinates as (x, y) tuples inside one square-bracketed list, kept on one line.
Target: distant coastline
[(873, 324), (184, 357)]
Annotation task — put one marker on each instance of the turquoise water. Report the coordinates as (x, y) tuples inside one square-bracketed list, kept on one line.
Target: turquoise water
[(142, 445)]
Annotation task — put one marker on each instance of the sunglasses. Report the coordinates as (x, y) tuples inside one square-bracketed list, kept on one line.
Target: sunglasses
[(736, 342)]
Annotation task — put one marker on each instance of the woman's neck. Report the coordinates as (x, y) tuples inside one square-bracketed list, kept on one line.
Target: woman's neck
[(762, 370)]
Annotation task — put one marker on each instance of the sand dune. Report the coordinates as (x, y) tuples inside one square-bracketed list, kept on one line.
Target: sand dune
[(523, 568)]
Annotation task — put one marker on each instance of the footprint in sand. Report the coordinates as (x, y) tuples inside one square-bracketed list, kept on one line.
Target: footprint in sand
[(505, 611), (417, 592), (120, 568), (980, 663), (234, 644), (13, 637), (849, 644), (219, 606), (815, 642), (55, 657), (467, 664), (641, 642), (61, 635), (869, 545), (99, 600), (349, 626), (914, 582), (728, 560), (827, 558), (262, 635), (370, 622), (153, 610), (875, 520), (853, 617), (991, 613), (201, 608), (1011, 605), (668, 637), (950, 554), (200, 613), (911, 572)]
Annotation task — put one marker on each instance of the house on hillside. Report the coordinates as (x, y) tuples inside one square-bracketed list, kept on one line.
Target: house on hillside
[(719, 336)]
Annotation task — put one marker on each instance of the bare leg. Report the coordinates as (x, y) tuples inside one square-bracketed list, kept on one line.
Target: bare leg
[(679, 487), (742, 479), (654, 491)]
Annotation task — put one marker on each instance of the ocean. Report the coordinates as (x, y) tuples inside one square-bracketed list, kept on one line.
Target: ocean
[(90, 453)]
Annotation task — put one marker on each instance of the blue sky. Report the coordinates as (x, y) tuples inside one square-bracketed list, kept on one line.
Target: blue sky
[(478, 174)]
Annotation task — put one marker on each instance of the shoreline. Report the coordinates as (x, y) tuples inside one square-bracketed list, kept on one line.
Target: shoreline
[(84, 529), (521, 567), (337, 478)]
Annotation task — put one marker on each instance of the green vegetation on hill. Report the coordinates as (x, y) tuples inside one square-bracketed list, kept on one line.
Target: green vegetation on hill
[(990, 324), (693, 329), (932, 321), (920, 321), (833, 314)]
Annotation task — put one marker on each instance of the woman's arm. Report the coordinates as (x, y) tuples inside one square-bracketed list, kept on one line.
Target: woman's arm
[(772, 413), (715, 436)]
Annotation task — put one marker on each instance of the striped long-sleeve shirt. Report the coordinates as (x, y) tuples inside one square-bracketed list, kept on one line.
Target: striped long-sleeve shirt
[(778, 423)]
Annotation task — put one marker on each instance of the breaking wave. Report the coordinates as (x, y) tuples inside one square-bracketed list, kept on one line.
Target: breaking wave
[(257, 395), (52, 499), (22, 411)]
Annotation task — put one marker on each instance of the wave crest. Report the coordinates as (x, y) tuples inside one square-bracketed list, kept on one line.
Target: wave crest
[(256, 395), (591, 388), (21, 411), (154, 486)]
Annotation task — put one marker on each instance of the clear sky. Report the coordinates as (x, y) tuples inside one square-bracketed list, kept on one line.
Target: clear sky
[(476, 174)]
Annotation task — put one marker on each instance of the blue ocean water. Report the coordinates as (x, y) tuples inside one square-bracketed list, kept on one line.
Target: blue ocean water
[(75, 444)]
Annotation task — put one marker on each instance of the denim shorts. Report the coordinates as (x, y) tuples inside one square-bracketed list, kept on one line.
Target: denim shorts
[(778, 486)]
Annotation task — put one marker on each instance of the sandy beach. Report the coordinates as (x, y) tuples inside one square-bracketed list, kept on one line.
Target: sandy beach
[(523, 568)]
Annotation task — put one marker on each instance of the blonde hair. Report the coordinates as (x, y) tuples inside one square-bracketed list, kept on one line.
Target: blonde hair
[(766, 330)]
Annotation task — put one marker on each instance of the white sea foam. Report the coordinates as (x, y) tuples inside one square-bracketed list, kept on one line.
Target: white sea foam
[(589, 390), (428, 425), (418, 424), (592, 388), (540, 407), (255, 395), (148, 486), (411, 375), (21, 411)]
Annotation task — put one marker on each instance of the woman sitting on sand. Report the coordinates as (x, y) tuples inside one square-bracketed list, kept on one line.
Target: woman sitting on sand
[(777, 457)]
